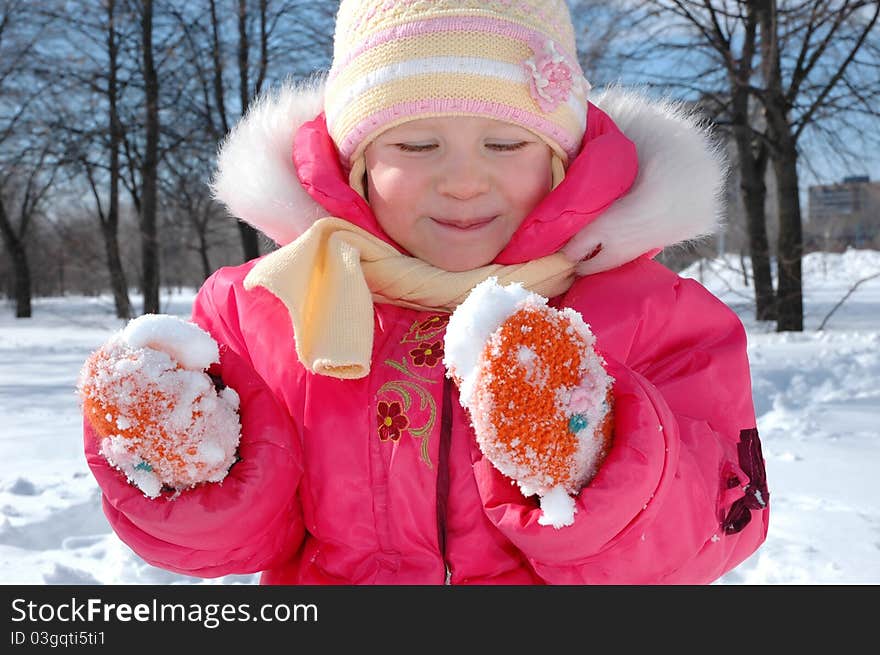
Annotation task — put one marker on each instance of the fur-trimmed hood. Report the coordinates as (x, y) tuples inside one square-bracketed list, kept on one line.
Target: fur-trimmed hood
[(675, 196)]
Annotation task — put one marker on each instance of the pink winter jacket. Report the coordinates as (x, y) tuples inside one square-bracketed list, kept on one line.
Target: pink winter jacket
[(319, 497)]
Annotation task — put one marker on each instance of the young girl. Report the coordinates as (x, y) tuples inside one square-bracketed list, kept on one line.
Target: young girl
[(453, 141)]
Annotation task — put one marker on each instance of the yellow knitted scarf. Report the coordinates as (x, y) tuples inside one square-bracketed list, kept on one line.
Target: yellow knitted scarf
[(330, 276)]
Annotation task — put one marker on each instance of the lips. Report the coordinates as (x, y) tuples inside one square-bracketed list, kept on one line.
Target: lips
[(465, 225)]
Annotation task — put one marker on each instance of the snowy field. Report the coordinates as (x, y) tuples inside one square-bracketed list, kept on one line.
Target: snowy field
[(817, 396)]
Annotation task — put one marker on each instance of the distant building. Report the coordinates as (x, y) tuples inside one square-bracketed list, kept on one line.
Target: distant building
[(843, 215)]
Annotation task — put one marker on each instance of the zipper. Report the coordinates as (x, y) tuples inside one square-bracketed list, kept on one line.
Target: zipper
[(443, 471)]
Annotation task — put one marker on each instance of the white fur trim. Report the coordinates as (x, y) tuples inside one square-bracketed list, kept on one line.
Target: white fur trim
[(675, 197), (255, 176)]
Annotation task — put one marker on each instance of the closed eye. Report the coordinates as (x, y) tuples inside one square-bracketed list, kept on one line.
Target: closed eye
[(415, 147), (507, 147)]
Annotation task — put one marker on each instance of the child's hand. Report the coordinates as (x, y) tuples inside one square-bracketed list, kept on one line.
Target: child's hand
[(538, 395), (148, 397)]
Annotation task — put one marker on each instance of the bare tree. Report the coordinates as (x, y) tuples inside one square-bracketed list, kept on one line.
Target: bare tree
[(709, 49), (13, 240), (110, 221), (189, 200), (109, 72), (751, 155), (230, 53), (149, 166), (728, 31), (22, 191), (796, 61), (808, 52), (94, 138), (25, 150), (234, 54), (249, 240)]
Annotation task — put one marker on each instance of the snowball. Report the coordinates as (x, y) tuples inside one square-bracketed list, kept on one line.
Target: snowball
[(186, 342)]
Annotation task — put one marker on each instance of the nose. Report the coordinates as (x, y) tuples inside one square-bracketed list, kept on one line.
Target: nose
[(463, 177)]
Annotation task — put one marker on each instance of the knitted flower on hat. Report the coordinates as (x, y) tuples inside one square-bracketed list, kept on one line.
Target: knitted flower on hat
[(399, 60), (537, 392)]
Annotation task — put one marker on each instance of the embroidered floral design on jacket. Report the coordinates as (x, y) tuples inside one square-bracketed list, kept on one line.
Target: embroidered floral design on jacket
[(390, 420), (428, 334), (751, 461), (400, 395), (430, 327), (427, 354)]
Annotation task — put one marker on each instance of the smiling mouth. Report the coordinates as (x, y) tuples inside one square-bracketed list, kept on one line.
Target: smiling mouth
[(465, 226)]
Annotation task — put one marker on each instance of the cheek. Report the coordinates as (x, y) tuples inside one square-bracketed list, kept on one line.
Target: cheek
[(385, 184), (528, 184), (393, 189)]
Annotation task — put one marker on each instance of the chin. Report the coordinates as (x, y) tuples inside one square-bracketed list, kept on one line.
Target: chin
[(460, 265)]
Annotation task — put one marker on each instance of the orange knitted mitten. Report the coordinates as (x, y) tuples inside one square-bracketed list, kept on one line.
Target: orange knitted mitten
[(156, 411), (537, 392)]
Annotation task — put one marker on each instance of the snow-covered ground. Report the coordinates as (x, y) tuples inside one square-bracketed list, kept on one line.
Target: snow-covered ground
[(817, 396)]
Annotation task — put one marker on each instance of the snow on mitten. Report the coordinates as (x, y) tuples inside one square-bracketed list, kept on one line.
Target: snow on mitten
[(536, 390), (160, 419)]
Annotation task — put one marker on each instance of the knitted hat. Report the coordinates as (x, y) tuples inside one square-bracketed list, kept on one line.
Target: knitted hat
[(400, 60)]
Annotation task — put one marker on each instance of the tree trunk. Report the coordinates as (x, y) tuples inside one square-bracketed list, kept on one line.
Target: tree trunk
[(754, 192), (22, 282), (111, 228), (203, 253), (118, 281), (21, 272), (20, 269), (752, 168), (790, 249), (249, 239), (217, 58), (149, 197), (61, 290)]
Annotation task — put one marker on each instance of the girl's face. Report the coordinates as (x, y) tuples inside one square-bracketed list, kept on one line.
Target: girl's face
[(453, 190)]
